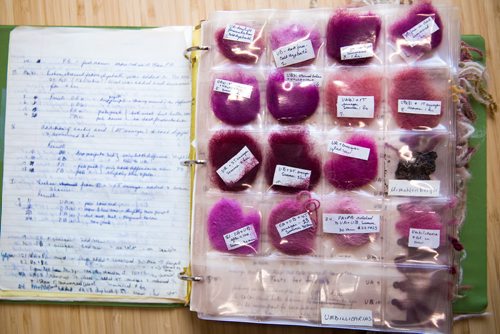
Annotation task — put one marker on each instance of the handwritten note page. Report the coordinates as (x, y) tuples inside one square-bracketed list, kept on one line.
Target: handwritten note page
[(95, 200)]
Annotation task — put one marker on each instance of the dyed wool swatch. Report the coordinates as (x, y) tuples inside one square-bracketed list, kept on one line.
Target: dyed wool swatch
[(299, 243), (416, 15), (347, 83), (290, 102), (420, 167), (420, 216), (234, 109), (347, 205), (293, 33), (346, 29), (348, 173), (292, 148), (223, 146), (239, 51), (227, 216)]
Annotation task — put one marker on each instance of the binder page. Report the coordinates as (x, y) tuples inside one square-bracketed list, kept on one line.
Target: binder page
[(95, 202)]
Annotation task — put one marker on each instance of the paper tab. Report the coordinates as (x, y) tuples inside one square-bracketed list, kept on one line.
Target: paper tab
[(419, 107), (240, 237), (414, 188), (239, 33), (295, 224), (355, 106), (356, 51), (350, 223), (307, 77), (294, 53), (234, 89), (421, 31), (348, 150), (420, 237), (346, 317), (233, 170), (291, 177)]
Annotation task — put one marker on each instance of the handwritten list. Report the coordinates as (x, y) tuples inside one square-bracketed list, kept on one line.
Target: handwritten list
[(95, 200)]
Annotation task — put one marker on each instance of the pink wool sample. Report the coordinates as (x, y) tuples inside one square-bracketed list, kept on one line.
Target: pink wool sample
[(227, 216), (420, 216), (347, 83), (347, 205), (293, 33), (347, 173), (236, 110), (240, 51)]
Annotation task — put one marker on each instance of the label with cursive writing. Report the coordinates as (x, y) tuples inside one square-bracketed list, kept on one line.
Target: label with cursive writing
[(295, 224), (348, 150), (291, 177), (306, 77), (239, 33), (350, 223), (414, 188), (240, 237), (419, 107), (293, 53), (232, 88), (421, 31), (233, 170), (420, 237), (356, 51), (355, 106)]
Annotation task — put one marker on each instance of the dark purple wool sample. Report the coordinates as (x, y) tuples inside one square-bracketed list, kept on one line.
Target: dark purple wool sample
[(290, 102), (241, 52), (345, 29), (296, 32)]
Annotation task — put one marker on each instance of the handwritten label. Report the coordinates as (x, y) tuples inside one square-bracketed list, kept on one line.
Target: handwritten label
[(350, 223), (293, 53), (414, 188), (295, 224), (421, 31), (304, 77), (356, 51), (355, 106), (233, 170), (240, 237), (419, 107), (348, 150), (239, 33), (234, 89), (291, 177), (346, 317), (424, 238)]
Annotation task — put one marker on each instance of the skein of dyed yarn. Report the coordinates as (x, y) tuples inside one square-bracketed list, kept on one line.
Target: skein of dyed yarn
[(417, 84), (290, 102), (297, 221), (417, 47), (292, 148), (347, 205), (224, 146), (226, 217), (291, 33), (349, 83), (348, 173), (241, 51), (348, 28), (233, 108)]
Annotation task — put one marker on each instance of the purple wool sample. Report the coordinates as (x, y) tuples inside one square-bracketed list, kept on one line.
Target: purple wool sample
[(236, 110), (293, 33), (348, 173), (223, 146), (290, 102), (420, 216), (417, 14), (347, 205), (345, 29), (238, 51), (227, 216), (293, 149)]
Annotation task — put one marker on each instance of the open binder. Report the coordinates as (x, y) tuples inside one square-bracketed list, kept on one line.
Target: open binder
[(325, 287)]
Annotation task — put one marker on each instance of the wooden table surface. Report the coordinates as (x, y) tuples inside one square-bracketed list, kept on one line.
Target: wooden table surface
[(477, 17)]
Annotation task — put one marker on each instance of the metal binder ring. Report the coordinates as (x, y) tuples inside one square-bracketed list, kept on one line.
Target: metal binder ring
[(189, 163), (187, 52), (185, 277)]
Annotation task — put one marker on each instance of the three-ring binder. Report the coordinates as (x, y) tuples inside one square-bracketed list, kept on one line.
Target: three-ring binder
[(187, 52), (189, 163), (184, 277)]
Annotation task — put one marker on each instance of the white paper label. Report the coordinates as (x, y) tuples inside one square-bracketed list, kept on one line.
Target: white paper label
[(233, 170), (295, 224), (419, 107), (293, 53), (240, 237), (291, 177), (350, 223), (420, 237), (356, 51), (421, 31), (235, 32), (346, 317), (307, 77), (348, 150), (355, 106), (414, 188), (234, 89)]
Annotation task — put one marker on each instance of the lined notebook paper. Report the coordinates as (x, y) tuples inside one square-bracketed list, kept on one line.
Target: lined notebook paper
[(95, 201)]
